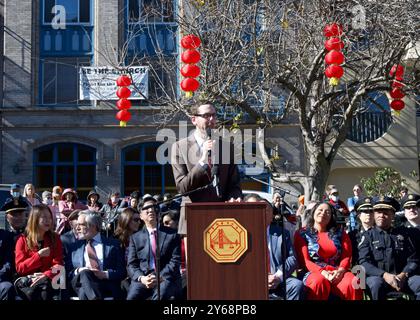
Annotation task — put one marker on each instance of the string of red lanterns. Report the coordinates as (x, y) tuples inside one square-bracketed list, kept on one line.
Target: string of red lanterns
[(190, 70), (123, 104), (397, 94), (334, 57)]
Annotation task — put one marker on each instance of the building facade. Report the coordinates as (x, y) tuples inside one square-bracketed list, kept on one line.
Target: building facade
[(51, 137)]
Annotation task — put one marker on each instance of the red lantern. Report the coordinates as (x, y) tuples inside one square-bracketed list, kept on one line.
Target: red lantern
[(396, 93), (333, 30), (334, 44), (123, 116), (123, 93), (190, 70), (334, 57), (189, 84), (334, 71), (397, 105), (190, 56), (123, 104), (397, 70), (123, 81), (190, 42)]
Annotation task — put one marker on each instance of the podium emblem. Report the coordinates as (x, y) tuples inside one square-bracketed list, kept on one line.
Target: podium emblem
[(225, 240)]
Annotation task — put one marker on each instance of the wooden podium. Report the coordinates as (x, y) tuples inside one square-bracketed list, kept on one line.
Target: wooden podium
[(207, 240)]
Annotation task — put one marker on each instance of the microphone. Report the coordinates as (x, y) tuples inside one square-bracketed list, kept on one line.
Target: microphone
[(216, 180), (208, 131)]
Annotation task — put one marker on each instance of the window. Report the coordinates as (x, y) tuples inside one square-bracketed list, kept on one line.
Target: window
[(66, 164), (142, 172), (59, 89), (372, 120), (148, 11), (77, 11)]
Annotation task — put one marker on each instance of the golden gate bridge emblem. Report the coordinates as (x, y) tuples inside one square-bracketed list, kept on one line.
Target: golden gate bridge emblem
[(225, 240)]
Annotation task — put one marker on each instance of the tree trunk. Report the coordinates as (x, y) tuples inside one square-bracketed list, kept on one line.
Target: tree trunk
[(319, 169)]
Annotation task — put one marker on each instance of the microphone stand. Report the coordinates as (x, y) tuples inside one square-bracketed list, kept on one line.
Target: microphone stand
[(157, 258), (280, 223)]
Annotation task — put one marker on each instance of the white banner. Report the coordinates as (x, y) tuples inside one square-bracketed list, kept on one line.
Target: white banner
[(99, 83)]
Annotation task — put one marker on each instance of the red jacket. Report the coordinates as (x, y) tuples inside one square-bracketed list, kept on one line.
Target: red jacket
[(28, 261)]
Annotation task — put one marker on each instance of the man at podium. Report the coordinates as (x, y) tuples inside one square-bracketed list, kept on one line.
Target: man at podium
[(192, 165)]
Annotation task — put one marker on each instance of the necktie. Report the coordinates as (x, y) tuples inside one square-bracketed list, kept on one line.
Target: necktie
[(93, 258), (153, 245), (209, 166)]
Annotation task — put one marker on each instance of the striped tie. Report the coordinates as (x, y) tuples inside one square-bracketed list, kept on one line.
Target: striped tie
[(93, 258)]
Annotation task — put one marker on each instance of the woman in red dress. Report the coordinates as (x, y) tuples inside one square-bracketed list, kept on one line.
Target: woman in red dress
[(324, 250), (38, 251)]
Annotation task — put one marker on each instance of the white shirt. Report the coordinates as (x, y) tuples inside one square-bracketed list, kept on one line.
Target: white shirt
[(200, 141), (279, 273), (152, 258), (99, 249)]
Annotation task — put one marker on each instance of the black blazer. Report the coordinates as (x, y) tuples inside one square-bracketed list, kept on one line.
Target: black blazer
[(170, 254), (6, 255)]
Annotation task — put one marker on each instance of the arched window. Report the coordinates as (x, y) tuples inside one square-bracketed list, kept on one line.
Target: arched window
[(373, 119), (141, 171), (68, 165)]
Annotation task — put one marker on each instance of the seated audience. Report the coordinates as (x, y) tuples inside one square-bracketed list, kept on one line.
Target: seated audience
[(324, 251), (388, 254), (96, 265), (364, 214), (294, 287), (37, 253), (145, 246), (7, 291)]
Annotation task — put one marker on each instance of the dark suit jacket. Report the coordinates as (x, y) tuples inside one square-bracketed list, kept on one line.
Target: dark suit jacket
[(68, 240), (190, 175), (7, 248), (112, 255), (276, 257), (170, 254)]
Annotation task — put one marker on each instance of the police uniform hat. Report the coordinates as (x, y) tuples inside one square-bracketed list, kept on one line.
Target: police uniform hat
[(15, 186), (410, 200), (11, 207), (386, 203), (364, 204)]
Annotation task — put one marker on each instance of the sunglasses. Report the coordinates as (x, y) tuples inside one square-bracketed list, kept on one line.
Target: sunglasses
[(206, 115)]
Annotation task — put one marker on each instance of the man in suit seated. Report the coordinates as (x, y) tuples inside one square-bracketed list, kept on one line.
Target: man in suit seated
[(144, 253), (275, 235), (69, 238), (96, 264), (7, 291)]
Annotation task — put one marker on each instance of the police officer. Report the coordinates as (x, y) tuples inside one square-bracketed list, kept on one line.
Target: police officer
[(364, 214), (411, 205), (388, 255)]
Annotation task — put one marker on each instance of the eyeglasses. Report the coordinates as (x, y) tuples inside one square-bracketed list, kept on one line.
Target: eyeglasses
[(206, 115)]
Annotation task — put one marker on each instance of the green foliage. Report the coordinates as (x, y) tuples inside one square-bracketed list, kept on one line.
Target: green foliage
[(385, 182)]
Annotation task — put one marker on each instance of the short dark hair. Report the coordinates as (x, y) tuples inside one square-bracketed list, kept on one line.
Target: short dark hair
[(198, 104), (143, 201)]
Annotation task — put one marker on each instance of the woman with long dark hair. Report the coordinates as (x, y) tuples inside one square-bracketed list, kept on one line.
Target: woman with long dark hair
[(324, 250), (38, 251), (129, 222)]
